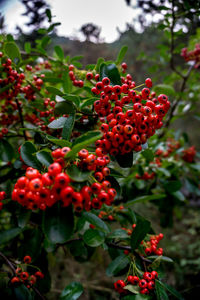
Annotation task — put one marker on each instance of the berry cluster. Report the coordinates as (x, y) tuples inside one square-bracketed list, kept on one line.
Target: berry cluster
[(36, 190), (145, 176), (150, 247), (193, 55), (2, 197), (146, 284), (76, 82), (24, 277), (129, 117), (189, 154)]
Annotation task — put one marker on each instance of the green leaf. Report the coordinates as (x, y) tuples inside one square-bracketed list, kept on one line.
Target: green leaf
[(23, 293), (99, 62), (96, 221), (88, 102), (65, 107), (118, 264), (27, 47), (164, 171), (67, 83), (45, 41), (118, 234), (83, 141), (72, 291), (145, 198), (75, 58), (76, 174), (179, 195), (58, 224), (27, 153), (44, 157), (48, 13), (54, 91), (148, 155), (52, 79), (93, 237), (59, 142), (126, 160), (160, 291), (11, 49), (172, 290), (172, 186), (142, 228), (59, 52), (9, 234), (68, 127), (121, 55), (23, 217), (133, 289), (162, 258), (164, 89), (110, 71), (75, 99), (6, 151), (58, 123)]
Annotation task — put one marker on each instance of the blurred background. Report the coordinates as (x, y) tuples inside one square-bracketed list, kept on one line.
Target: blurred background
[(94, 29)]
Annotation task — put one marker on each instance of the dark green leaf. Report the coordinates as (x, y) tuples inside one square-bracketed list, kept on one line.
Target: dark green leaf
[(88, 102), (54, 91), (121, 55), (133, 289), (99, 62), (6, 151), (27, 47), (93, 237), (164, 89), (59, 52), (65, 107), (44, 158), (126, 160), (145, 198), (9, 234), (68, 127), (160, 291), (76, 174), (171, 290), (48, 13), (118, 264), (58, 123), (142, 228), (96, 221), (23, 217), (75, 99), (81, 142), (45, 41), (162, 258), (72, 291), (59, 142), (23, 293), (118, 234), (58, 224), (172, 186), (148, 155), (11, 49), (52, 79), (28, 151), (110, 71)]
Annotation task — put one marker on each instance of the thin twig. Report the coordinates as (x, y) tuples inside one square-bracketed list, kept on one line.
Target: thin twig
[(21, 117)]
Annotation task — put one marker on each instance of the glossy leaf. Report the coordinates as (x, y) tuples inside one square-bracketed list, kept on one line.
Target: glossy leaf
[(65, 107), (12, 50), (96, 221), (7, 235), (76, 174), (44, 158), (110, 71), (145, 198), (93, 237), (28, 152), (72, 291), (121, 55), (59, 52), (73, 98), (58, 224), (68, 127), (54, 91), (148, 155), (118, 234), (6, 151), (139, 233), (171, 290), (164, 89), (133, 289), (117, 265), (160, 291), (58, 123)]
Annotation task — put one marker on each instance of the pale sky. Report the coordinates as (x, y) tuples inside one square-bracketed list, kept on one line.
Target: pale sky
[(108, 14)]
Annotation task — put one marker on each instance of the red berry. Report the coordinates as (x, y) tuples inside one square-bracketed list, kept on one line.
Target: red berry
[(27, 259)]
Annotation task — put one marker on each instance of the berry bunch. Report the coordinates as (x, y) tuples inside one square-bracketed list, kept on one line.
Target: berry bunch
[(193, 55), (76, 82), (150, 247), (189, 154), (145, 176), (2, 197), (24, 277), (36, 190), (129, 117), (146, 284)]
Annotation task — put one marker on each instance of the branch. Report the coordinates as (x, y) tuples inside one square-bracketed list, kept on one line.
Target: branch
[(21, 117)]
